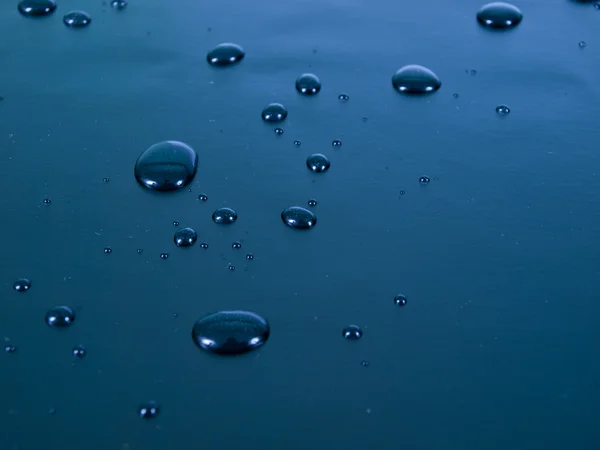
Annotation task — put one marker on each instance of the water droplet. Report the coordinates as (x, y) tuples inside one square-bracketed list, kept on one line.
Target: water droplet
[(297, 143), (502, 110), (164, 256), (364, 363), (52, 411), (352, 333), (318, 163), (10, 348), (298, 217), (60, 317), (47, 201), (175, 223), (225, 55), (400, 300), (455, 95), (231, 332), (79, 352), (22, 285), (274, 112), (36, 8), (402, 192), (204, 245), (343, 98), (308, 84), (185, 237), (236, 245), (107, 250), (471, 72), (148, 410), (224, 216), (499, 15), (424, 180), (312, 203), (597, 6), (415, 79), (140, 250), (278, 131), (231, 267), (105, 179), (77, 19), (582, 44), (336, 143), (166, 166), (364, 119), (249, 256), (203, 197), (118, 4)]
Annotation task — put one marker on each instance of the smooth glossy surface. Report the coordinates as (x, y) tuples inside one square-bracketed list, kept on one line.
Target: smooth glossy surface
[(166, 166), (185, 237), (415, 79), (274, 112), (499, 15), (36, 8), (224, 216), (318, 163), (352, 333), (308, 84), (77, 19), (60, 317), (299, 218), (22, 285), (225, 54)]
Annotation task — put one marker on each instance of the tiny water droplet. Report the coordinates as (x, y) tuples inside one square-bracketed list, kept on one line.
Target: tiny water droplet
[(318, 163), (582, 44), (402, 192), (297, 143), (77, 19), (400, 300), (10, 348), (52, 411), (60, 317), (164, 256), (352, 333), (236, 245), (503, 110), (105, 179), (175, 223), (79, 352), (364, 119), (203, 197), (308, 84), (118, 4), (22, 285), (47, 201), (107, 250), (148, 410), (225, 55), (204, 245), (278, 131), (336, 143), (424, 180), (499, 16), (249, 256), (185, 237), (224, 216), (140, 250), (274, 112), (415, 79), (364, 363), (231, 267), (312, 203), (343, 98), (455, 95)]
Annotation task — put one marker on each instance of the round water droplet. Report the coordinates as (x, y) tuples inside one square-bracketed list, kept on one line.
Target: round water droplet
[(118, 4), (499, 16), (455, 95), (204, 245), (582, 44), (400, 300), (308, 84), (164, 256), (318, 163), (47, 201), (105, 179), (107, 250), (77, 19), (312, 203), (298, 217), (236, 245), (22, 285), (203, 197), (352, 333), (79, 352), (10, 348), (60, 317), (140, 251), (297, 143), (415, 79), (343, 98), (225, 55), (424, 180), (148, 410), (336, 143), (166, 166), (185, 237), (231, 267), (275, 112), (364, 363), (249, 256), (224, 216), (231, 332), (502, 110), (175, 223), (278, 131), (36, 8)]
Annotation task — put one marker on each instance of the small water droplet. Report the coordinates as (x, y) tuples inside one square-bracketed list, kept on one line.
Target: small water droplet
[(204, 245), (47, 201), (236, 245), (224, 216), (352, 332), (298, 217), (343, 98), (60, 317), (582, 44), (77, 19), (312, 203), (249, 256), (164, 256), (105, 179), (140, 250), (107, 250), (278, 131), (364, 119), (308, 84), (203, 197), (424, 180), (36, 8), (472, 72), (79, 352), (175, 223), (118, 4), (274, 112), (225, 55), (22, 285), (336, 143), (400, 300), (148, 410), (499, 15), (503, 110), (297, 143), (318, 163), (231, 267), (185, 237), (166, 166), (455, 95), (415, 79), (52, 411), (402, 192), (364, 363), (10, 348)]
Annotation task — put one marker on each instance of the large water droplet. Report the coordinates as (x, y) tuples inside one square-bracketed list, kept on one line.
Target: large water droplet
[(231, 332), (274, 112), (499, 15), (166, 166), (308, 84), (318, 163), (185, 237), (77, 19), (60, 317), (415, 79), (298, 217), (224, 216), (225, 55), (22, 285), (36, 8), (352, 332), (400, 300)]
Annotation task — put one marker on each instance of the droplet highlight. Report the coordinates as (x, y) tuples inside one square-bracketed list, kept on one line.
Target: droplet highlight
[(36, 8), (400, 300), (415, 79), (224, 216), (77, 19), (185, 237), (274, 112), (352, 333), (299, 218), (318, 163), (502, 110), (499, 16), (22, 285), (166, 166), (308, 84), (60, 317), (225, 54)]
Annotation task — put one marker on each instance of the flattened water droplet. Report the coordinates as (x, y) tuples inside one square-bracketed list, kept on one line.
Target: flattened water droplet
[(118, 4), (36, 8), (166, 166), (77, 19), (175, 223), (308, 84), (185, 237), (22, 285), (204, 245), (318, 163), (415, 79), (297, 143), (79, 352), (148, 410), (502, 110), (312, 203), (298, 217), (352, 333), (400, 300), (231, 332), (60, 317), (274, 112), (582, 44), (236, 245), (225, 55), (278, 131), (343, 98), (10, 348), (249, 256), (336, 143), (499, 16), (424, 180), (107, 250), (203, 197), (164, 256), (224, 216), (47, 201)]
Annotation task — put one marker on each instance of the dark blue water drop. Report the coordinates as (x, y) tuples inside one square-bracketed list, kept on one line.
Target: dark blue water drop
[(60, 317), (299, 218), (164, 256), (22, 285), (424, 180), (166, 166), (77, 19), (118, 4), (47, 201), (352, 332), (274, 112), (140, 251), (175, 223), (204, 245), (231, 332), (308, 84), (236, 245), (499, 16), (582, 44), (36, 8), (231, 267), (106, 179), (249, 256), (203, 197), (343, 98), (225, 55), (364, 363), (10, 348), (185, 237), (336, 143), (502, 110), (107, 250), (297, 143), (79, 352), (312, 203), (148, 410), (400, 300), (415, 79), (224, 216), (278, 131), (318, 163)]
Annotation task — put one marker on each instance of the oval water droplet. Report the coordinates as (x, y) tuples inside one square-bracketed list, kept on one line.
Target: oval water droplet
[(118, 4), (236, 245), (318, 163), (499, 16), (424, 180), (79, 352), (22, 285), (166, 166), (343, 98), (312, 203), (502, 110), (298, 217), (77, 19), (352, 332), (336, 143), (60, 317), (149, 409), (164, 256), (415, 79), (308, 84), (274, 112), (36, 8), (278, 131), (107, 250), (185, 237), (10, 348), (224, 216), (297, 143), (582, 44), (225, 55), (231, 332), (249, 256), (203, 197), (400, 300), (203, 245)]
